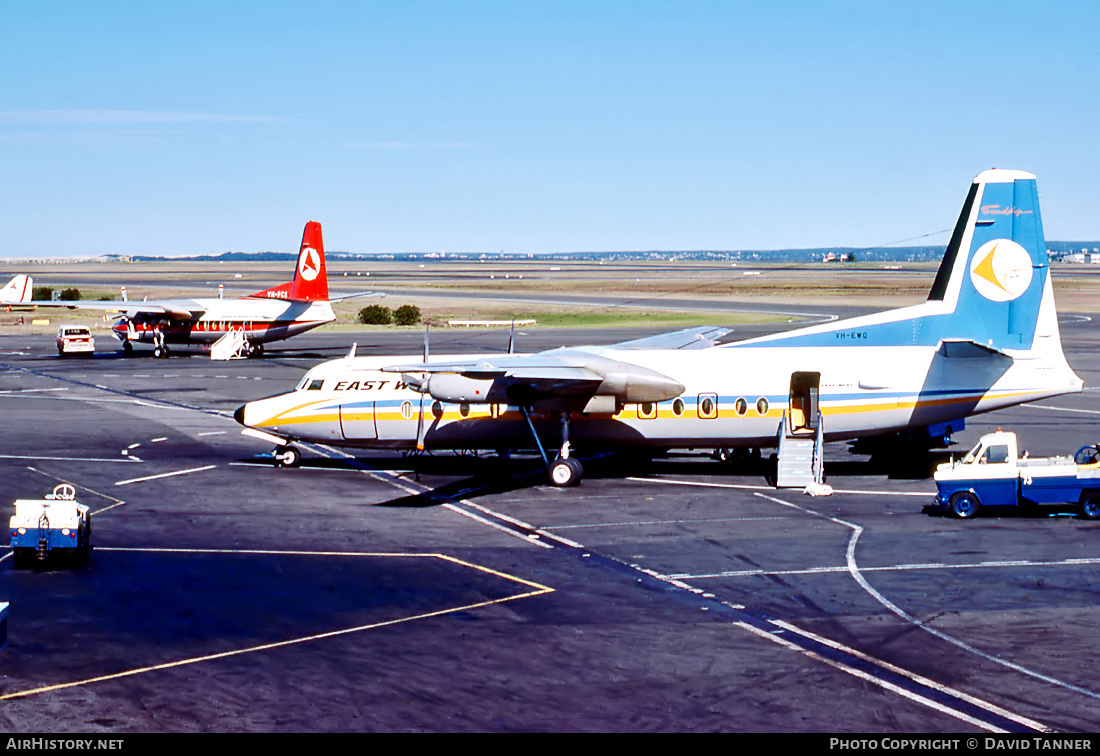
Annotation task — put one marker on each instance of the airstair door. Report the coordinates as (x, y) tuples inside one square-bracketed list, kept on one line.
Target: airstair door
[(803, 415)]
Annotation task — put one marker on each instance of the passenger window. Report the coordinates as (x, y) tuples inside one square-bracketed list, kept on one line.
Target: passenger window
[(678, 407), (740, 406), (647, 410), (708, 406)]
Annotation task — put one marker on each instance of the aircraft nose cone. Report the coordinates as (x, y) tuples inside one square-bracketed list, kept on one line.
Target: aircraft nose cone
[(238, 415)]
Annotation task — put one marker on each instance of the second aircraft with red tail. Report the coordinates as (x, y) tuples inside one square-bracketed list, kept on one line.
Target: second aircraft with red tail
[(270, 315)]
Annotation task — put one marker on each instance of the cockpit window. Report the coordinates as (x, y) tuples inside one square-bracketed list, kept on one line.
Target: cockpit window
[(310, 384)]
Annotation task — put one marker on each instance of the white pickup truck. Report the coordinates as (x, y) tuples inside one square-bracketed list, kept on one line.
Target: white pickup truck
[(994, 474)]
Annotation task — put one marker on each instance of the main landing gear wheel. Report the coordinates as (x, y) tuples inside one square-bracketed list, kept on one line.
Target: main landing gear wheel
[(565, 472), (965, 505), (127, 348), (288, 456), (160, 352), (1090, 507)]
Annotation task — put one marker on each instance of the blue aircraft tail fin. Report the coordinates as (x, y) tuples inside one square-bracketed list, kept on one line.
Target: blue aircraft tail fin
[(992, 287)]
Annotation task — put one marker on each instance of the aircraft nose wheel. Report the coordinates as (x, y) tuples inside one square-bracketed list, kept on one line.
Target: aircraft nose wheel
[(565, 472), (288, 456)]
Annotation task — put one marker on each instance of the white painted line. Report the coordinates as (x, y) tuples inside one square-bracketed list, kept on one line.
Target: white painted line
[(164, 475), (869, 678), (157, 440), (213, 433), (857, 574), (67, 459), (891, 568), (1061, 409), (28, 391), (708, 484), (647, 523), (528, 539)]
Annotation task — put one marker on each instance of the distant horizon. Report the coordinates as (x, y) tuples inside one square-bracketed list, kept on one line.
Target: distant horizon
[(922, 253)]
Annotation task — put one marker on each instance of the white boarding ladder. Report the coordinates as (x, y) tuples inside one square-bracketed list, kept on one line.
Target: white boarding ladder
[(232, 346), (801, 457)]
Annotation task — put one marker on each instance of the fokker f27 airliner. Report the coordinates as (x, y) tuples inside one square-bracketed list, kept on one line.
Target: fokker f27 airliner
[(986, 338), (270, 315)]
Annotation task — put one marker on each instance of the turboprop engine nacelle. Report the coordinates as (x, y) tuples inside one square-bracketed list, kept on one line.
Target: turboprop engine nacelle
[(451, 387)]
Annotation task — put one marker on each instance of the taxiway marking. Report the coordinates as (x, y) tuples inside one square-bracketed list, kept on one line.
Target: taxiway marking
[(164, 475), (857, 574), (892, 568), (708, 484), (536, 590), (898, 689), (67, 459)]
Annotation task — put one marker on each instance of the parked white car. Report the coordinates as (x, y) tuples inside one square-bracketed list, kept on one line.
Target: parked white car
[(74, 339)]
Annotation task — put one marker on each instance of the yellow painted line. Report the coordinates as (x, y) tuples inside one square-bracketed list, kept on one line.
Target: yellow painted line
[(538, 590)]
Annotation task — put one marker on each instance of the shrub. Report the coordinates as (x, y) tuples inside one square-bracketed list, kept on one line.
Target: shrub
[(42, 293), (407, 315), (70, 295), (375, 315)]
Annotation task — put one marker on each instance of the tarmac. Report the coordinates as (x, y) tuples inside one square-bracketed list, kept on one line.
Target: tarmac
[(379, 593)]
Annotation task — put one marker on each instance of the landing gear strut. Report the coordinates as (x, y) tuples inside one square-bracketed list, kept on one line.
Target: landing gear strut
[(160, 346), (564, 470)]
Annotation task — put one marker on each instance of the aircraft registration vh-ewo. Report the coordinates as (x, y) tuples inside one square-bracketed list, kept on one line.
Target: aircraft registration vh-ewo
[(986, 338), (248, 322)]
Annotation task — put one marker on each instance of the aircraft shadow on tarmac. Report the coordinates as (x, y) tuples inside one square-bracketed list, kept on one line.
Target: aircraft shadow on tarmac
[(481, 475)]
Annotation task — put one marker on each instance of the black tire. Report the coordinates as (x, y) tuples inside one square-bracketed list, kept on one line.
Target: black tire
[(565, 472), (1090, 507), (965, 505), (127, 348), (288, 456)]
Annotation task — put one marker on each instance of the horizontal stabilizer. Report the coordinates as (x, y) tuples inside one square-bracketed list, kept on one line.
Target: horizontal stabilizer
[(966, 349)]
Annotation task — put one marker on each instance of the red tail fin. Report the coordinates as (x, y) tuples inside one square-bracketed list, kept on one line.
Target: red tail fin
[(310, 282)]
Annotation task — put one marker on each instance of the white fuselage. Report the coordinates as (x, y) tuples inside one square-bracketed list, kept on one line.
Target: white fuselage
[(733, 396), (262, 320)]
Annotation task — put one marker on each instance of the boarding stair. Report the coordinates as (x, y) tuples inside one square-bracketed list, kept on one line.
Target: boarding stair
[(801, 455), (232, 346)]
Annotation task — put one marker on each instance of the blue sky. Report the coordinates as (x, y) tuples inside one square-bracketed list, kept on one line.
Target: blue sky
[(463, 126)]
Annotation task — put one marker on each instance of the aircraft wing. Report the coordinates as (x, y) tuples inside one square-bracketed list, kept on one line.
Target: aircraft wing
[(523, 379), (123, 306), (699, 337)]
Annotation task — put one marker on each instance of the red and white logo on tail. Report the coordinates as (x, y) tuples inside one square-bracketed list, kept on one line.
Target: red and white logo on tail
[(17, 290), (310, 282)]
